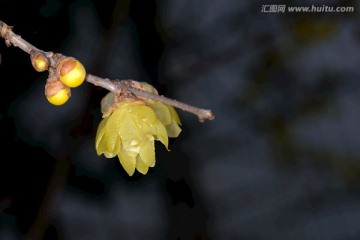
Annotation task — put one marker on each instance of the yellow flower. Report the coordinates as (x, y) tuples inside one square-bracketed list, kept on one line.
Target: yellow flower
[(131, 125), (129, 132)]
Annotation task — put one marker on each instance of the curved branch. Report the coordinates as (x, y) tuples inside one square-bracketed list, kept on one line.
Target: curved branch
[(13, 39)]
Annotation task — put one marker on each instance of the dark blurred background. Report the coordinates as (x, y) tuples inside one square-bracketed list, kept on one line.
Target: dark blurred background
[(280, 161)]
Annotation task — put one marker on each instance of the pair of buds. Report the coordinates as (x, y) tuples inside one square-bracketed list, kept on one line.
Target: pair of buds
[(67, 73)]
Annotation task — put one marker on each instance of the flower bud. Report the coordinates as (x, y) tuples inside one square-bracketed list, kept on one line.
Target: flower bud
[(39, 61), (71, 72), (56, 92)]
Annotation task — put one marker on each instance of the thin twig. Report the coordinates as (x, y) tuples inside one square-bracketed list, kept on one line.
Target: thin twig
[(13, 39)]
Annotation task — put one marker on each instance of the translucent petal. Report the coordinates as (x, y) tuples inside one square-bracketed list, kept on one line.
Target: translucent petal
[(112, 129), (162, 112), (101, 146), (135, 149), (147, 128), (117, 146), (107, 101), (173, 130), (141, 166), (149, 88), (109, 154), (100, 132), (102, 149), (147, 151), (130, 132), (144, 113), (127, 160), (106, 114), (174, 115), (160, 133)]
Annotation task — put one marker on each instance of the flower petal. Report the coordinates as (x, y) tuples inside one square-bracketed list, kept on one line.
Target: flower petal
[(160, 133), (147, 151), (144, 113), (129, 131), (146, 128), (101, 146), (100, 132), (112, 129), (147, 87), (127, 160), (162, 112), (106, 103), (117, 146), (141, 166), (174, 115), (109, 154), (173, 130)]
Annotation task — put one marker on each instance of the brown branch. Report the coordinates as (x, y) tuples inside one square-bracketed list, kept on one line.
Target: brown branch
[(13, 39), (117, 85)]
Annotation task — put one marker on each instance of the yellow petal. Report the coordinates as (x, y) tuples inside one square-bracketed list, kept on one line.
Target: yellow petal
[(144, 113), (109, 154), (129, 131), (147, 151), (141, 166), (160, 133), (117, 146), (112, 128), (162, 112), (173, 130), (100, 132), (107, 102), (174, 115), (146, 128), (101, 146), (127, 160)]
